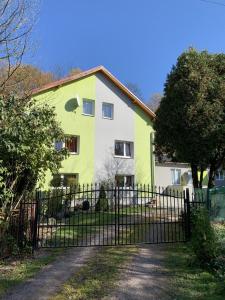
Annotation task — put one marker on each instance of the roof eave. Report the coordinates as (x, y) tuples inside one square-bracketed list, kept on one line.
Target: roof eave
[(90, 72)]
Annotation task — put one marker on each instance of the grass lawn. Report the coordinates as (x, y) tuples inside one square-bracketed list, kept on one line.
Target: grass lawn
[(99, 275), (16, 270), (188, 281)]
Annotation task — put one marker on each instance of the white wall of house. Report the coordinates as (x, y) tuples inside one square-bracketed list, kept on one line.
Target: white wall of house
[(164, 177), (220, 178), (121, 127)]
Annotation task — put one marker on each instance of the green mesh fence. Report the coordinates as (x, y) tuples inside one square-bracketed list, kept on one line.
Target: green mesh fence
[(200, 195), (214, 199), (217, 203)]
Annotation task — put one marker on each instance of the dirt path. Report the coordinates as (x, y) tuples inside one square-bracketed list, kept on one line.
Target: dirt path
[(145, 278), (49, 280)]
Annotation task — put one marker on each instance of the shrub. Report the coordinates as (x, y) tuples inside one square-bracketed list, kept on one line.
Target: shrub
[(55, 205), (8, 246), (102, 203), (85, 205), (203, 238), (14, 237)]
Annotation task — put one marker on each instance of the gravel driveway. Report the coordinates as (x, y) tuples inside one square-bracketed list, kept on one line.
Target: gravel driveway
[(50, 279), (145, 278)]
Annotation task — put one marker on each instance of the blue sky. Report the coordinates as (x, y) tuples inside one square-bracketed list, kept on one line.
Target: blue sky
[(137, 40)]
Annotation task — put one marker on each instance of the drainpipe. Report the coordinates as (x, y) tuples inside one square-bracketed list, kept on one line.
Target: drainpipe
[(152, 149)]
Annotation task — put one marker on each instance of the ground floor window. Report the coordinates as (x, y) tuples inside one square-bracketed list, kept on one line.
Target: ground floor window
[(64, 180), (124, 180), (176, 176)]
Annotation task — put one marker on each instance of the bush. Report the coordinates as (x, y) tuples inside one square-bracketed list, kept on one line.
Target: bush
[(55, 205), (8, 246), (85, 205), (102, 203), (203, 238), (14, 237)]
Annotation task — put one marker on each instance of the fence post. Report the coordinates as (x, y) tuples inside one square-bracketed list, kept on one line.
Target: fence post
[(115, 209), (35, 223), (188, 215), (118, 215), (20, 241)]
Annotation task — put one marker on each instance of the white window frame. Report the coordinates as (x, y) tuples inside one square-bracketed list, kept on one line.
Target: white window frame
[(93, 107), (220, 176), (124, 149), (173, 176), (112, 106), (78, 144)]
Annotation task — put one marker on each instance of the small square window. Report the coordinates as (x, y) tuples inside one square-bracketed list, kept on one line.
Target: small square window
[(107, 110), (88, 107)]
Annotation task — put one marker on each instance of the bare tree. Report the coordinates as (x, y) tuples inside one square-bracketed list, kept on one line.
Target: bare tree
[(24, 80), (17, 18), (75, 71), (60, 71), (154, 101), (134, 88), (112, 167)]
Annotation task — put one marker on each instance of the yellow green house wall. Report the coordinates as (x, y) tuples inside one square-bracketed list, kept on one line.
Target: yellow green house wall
[(143, 154), (75, 123)]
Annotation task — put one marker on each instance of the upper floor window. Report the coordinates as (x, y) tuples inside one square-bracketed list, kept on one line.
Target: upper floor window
[(123, 149), (71, 143), (107, 110), (176, 176), (220, 175), (88, 107)]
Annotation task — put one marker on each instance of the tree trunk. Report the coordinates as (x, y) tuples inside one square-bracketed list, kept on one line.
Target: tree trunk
[(212, 172), (201, 177), (194, 170)]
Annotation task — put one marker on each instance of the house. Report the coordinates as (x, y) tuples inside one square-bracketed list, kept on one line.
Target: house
[(173, 175), (220, 178), (108, 130)]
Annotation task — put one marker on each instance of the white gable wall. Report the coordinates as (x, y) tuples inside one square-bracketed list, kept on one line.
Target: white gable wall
[(107, 131)]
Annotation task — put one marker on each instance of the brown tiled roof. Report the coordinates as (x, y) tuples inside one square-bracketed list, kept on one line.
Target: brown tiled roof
[(89, 72)]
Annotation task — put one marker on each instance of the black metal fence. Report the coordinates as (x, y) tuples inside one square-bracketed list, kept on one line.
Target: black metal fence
[(106, 215), (27, 223)]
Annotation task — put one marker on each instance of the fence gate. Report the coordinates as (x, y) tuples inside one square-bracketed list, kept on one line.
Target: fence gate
[(97, 215)]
